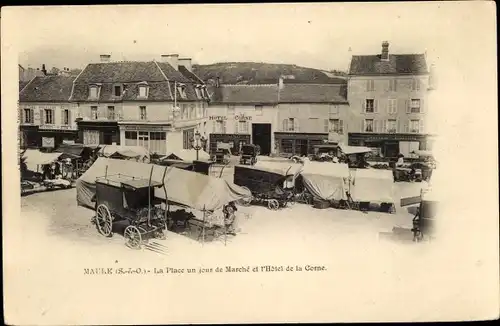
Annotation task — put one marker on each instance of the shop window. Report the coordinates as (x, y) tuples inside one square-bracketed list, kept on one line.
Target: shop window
[(130, 138), (286, 146), (91, 137), (93, 113), (157, 142)]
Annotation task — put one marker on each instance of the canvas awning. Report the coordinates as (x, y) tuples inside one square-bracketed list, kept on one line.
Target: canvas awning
[(348, 150), (34, 158), (281, 168), (187, 155), (423, 153), (72, 150), (137, 152)]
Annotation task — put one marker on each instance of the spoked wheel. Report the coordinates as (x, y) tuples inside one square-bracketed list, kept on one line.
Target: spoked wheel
[(104, 221), (133, 237), (247, 200), (273, 204)]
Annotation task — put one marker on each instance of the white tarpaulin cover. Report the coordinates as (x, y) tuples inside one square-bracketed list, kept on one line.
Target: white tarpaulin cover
[(188, 155), (136, 152), (348, 150), (372, 185), (423, 153), (187, 188), (326, 180), (34, 157), (283, 168)]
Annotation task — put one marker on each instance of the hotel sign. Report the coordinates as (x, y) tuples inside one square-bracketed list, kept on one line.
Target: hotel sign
[(242, 117), (217, 117)]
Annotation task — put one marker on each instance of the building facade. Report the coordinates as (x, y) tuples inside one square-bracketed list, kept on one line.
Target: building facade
[(47, 118), (157, 105), (308, 115), (387, 94), (240, 114)]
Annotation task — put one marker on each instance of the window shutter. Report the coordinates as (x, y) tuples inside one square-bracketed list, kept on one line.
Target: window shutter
[(422, 106), (421, 127), (384, 125), (375, 106), (62, 117), (395, 107), (341, 126), (296, 123), (363, 105), (42, 118), (69, 118), (363, 126), (285, 125), (407, 128), (224, 126), (326, 125), (368, 85), (407, 102)]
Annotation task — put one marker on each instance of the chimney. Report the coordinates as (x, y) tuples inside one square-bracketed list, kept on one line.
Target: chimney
[(217, 82), (44, 70), (105, 57), (385, 51), (186, 62), (172, 59)]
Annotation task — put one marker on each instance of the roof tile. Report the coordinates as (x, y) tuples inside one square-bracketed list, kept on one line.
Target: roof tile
[(398, 64), (47, 89)]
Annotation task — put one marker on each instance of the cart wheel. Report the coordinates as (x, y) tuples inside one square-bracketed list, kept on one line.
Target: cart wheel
[(245, 201), (104, 222), (273, 204), (133, 237)]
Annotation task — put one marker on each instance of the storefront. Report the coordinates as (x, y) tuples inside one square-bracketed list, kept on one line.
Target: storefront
[(390, 145), (235, 141), (29, 136), (287, 144), (153, 137), (52, 137), (98, 132)]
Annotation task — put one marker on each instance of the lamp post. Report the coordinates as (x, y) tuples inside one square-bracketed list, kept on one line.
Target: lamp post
[(198, 143)]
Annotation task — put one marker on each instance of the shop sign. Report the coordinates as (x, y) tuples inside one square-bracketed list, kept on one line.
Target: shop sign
[(48, 142), (145, 128), (57, 127), (242, 117), (217, 117)]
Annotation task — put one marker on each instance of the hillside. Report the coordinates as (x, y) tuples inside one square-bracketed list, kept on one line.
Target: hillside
[(263, 73)]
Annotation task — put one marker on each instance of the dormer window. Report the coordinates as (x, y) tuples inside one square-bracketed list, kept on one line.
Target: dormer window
[(204, 93), (94, 91), (199, 92), (117, 90), (181, 88), (143, 90)]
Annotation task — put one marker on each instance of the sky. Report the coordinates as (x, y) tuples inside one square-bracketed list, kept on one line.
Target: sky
[(320, 36)]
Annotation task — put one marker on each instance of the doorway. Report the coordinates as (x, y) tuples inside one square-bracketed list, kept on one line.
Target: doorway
[(261, 135)]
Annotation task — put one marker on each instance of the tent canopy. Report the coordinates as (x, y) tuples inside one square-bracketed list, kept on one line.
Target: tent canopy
[(282, 168), (423, 153), (34, 158), (137, 152), (326, 169), (187, 155), (372, 185), (325, 180), (186, 188), (348, 150)]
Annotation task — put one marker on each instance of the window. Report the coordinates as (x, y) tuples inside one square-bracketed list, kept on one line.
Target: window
[(182, 90), (392, 106), (230, 109), (415, 85), (199, 94), (242, 126), (219, 127), (370, 85), (65, 117), (143, 91), (28, 116), (93, 113), (415, 126), (391, 125), (118, 90), (143, 139), (370, 106), (415, 106), (393, 84), (94, 92), (130, 138), (91, 137), (289, 124), (142, 113), (368, 125), (258, 109), (336, 126), (111, 113), (184, 111), (286, 146), (157, 142), (49, 117), (192, 112), (187, 138)]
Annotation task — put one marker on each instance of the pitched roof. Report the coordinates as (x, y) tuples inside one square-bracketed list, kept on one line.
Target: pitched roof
[(47, 89), (398, 64), (246, 94), (190, 75), (22, 84), (158, 76), (313, 93)]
